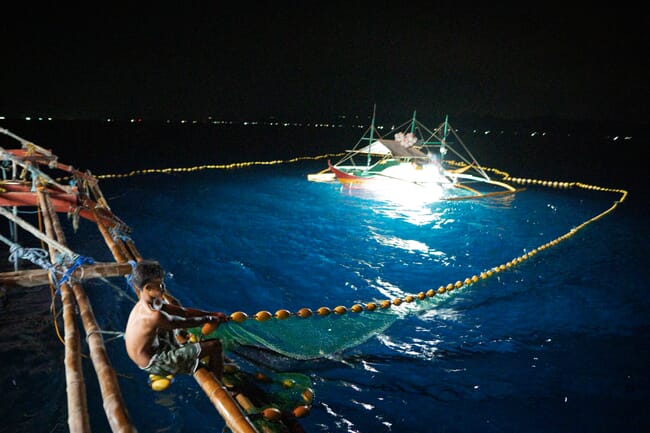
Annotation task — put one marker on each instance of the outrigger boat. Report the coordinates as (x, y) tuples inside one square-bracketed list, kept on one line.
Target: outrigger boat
[(417, 156)]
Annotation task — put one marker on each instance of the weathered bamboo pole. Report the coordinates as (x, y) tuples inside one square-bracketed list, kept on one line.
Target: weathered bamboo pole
[(114, 406), (78, 420), (117, 250), (126, 247), (13, 226), (31, 229), (40, 277), (234, 417), (130, 246)]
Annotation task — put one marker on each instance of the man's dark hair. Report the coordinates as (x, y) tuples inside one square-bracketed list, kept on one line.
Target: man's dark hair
[(145, 271)]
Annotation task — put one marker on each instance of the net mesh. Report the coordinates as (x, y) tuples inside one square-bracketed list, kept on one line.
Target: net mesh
[(300, 338)]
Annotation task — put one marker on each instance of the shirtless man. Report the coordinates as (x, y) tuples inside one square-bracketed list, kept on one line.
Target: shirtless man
[(149, 336)]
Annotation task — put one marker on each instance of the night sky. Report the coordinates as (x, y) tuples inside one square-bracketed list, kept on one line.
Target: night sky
[(321, 61)]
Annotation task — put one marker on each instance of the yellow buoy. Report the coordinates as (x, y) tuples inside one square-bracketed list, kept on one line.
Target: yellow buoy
[(304, 313), (262, 377), (238, 316), (282, 314), (340, 310), (209, 328), (308, 395), (272, 414), (160, 384), (230, 368), (323, 311), (263, 316), (300, 411)]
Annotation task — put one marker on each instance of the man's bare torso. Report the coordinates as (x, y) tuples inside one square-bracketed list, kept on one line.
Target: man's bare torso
[(140, 335)]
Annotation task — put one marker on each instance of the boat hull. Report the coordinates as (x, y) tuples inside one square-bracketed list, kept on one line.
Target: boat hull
[(347, 178)]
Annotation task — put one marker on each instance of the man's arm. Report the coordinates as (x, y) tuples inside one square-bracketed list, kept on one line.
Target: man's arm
[(177, 310), (168, 321)]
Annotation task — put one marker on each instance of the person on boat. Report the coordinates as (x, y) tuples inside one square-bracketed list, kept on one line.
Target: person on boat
[(149, 337)]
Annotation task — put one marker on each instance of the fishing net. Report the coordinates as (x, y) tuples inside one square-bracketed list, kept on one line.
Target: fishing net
[(306, 338)]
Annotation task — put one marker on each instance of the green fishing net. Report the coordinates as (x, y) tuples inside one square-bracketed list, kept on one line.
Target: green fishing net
[(306, 338)]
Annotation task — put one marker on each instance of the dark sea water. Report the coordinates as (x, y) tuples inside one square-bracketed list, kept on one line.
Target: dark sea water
[(558, 343)]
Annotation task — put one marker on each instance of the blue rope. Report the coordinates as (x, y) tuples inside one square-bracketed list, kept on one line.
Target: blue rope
[(34, 255), (55, 282), (78, 262), (129, 277), (118, 234)]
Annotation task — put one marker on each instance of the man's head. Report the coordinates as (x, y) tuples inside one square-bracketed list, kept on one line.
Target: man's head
[(146, 271)]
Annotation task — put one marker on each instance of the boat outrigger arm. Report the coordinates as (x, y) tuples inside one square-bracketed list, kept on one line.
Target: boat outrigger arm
[(443, 131), (82, 197)]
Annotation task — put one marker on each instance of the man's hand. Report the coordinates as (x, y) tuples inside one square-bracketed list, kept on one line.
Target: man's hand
[(215, 319), (218, 317)]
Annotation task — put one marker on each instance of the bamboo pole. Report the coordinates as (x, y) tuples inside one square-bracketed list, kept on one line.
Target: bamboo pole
[(235, 419), (13, 227), (78, 420), (130, 246), (40, 277), (114, 406), (126, 247), (27, 226), (117, 250)]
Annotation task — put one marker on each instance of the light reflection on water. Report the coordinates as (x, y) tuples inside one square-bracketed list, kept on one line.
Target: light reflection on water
[(408, 245), (412, 204)]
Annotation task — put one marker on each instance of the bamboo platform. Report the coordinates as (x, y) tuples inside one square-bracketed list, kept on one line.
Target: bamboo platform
[(31, 183)]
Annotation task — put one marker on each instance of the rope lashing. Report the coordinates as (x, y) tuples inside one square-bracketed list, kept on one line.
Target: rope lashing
[(37, 256), (129, 277), (81, 260), (117, 234), (116, 334)]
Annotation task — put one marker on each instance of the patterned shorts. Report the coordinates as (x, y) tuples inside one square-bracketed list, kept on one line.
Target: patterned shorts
[(175, 360)]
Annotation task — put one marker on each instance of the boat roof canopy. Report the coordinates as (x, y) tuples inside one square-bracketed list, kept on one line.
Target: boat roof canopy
[(391, 147)]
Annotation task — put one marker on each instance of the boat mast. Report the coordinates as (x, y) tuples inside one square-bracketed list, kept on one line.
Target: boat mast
[(413, 123), (372, 128), (443, 142)]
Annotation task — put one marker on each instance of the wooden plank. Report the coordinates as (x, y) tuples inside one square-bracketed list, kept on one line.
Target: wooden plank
[(40, 277)]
